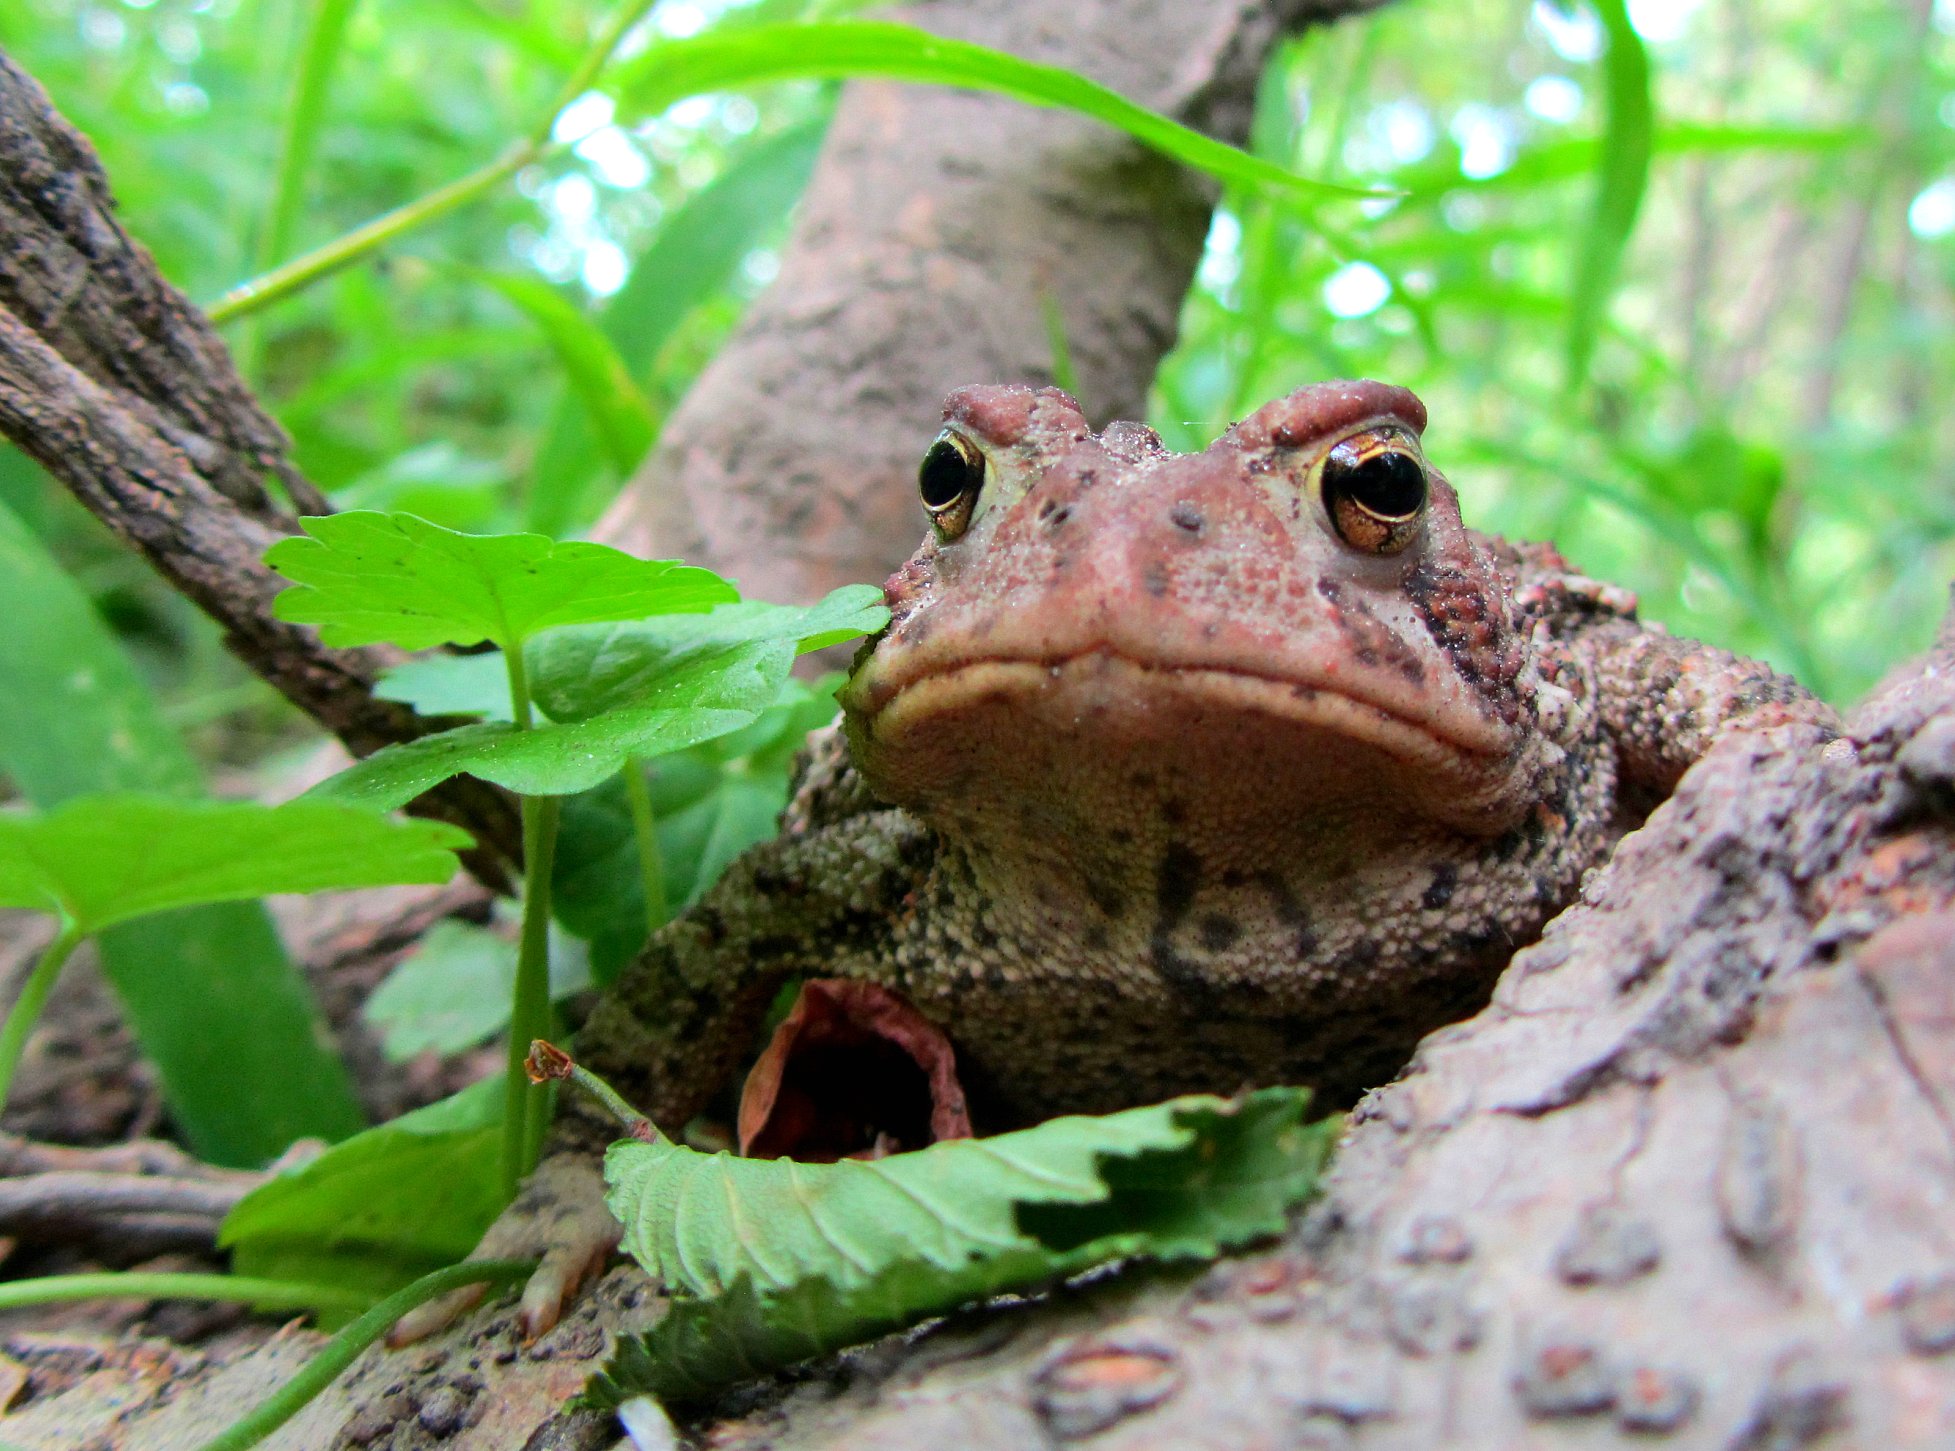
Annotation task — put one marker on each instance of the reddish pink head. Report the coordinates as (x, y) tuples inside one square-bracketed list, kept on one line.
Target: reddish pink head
[(1295, 615)]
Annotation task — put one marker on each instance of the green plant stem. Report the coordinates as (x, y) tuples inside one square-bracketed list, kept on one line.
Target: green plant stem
[(341, 1350), (319, 52), (596, 57), (644, 829), (301, 272), (530, 1014), (607, 1098), (265, 1294), (529, 1007), (33, 997)]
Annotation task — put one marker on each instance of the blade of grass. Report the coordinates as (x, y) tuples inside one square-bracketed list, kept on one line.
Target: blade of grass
[(1622, 173), (345, 1347), (848, 48), (598, 376)]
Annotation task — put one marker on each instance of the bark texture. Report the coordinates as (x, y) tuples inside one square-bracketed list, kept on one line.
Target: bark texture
[(938, 230), (1685, 1182), (116, 384)]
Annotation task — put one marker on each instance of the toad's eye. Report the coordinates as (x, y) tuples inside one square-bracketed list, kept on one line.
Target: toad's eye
[(1374, 492), (950, 477)]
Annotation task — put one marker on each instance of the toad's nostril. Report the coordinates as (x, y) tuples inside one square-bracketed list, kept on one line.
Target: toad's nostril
[(1187, 516)]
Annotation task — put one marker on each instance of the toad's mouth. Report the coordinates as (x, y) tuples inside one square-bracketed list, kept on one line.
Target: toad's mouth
[(1094, 727), (1102, 684)]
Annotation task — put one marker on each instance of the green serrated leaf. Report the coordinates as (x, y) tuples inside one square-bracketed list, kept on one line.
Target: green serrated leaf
[(367, 578), (383, 1207), (693, 1220), (99, 860), (710, 802), (799, 1259), (706, 697)]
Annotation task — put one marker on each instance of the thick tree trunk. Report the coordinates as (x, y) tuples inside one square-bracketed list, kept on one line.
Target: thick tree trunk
[(943, 240)]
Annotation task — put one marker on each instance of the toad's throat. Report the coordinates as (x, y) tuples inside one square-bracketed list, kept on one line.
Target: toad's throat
[(1102, 683)]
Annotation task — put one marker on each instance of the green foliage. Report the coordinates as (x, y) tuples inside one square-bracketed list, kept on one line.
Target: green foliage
[(382, 1207), (745, 56), (99, 860), (705, 697), (710, 803), (774, 1261), (453, 992), (76, 717), (365, 578)]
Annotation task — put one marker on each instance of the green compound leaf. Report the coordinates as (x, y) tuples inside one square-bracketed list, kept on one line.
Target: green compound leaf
[(365, 578), (775, 1261), (99, 860), (706, 697)]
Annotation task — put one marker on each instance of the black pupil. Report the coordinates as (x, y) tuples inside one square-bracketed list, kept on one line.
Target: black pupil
[(1390, 484), (946, 474)]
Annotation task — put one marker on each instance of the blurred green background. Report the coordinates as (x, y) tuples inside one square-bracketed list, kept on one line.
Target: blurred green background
[(1753, 442)]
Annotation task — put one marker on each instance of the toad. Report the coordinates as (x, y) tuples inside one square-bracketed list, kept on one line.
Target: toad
[(1175, 773)]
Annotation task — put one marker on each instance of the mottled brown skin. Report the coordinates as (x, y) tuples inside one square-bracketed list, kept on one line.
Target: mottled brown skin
[(1157, 782)]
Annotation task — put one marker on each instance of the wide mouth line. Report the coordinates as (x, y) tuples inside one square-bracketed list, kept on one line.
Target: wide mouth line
[(1287, 684)]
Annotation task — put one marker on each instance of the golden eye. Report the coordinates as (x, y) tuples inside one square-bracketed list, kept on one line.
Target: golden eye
[(950, 478), (1375, 492)]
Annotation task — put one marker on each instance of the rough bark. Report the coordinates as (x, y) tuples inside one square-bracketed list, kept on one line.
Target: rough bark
[(938, 228), (116, 384)]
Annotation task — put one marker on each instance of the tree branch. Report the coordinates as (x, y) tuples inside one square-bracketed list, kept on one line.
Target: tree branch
[(113, 382)]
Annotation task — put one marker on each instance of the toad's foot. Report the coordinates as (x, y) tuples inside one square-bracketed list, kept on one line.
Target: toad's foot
[(559, 1219)]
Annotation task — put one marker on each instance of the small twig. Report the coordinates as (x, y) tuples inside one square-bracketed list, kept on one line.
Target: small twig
[(21, 1156), (67, 1202)]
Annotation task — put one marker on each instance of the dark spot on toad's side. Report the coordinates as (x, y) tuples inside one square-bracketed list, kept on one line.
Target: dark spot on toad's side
[(983, 936), (1357, 959), (1154, 579), (1445, 880), (1176, 880), (1175, 883), (1219, 933)]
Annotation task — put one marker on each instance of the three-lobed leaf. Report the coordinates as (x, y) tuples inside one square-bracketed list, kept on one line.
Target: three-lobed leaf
[(100, 860), (366, 578), (777, 1261)]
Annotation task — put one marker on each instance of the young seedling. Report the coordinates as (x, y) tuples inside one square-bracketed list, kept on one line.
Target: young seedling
[(581, 702)]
